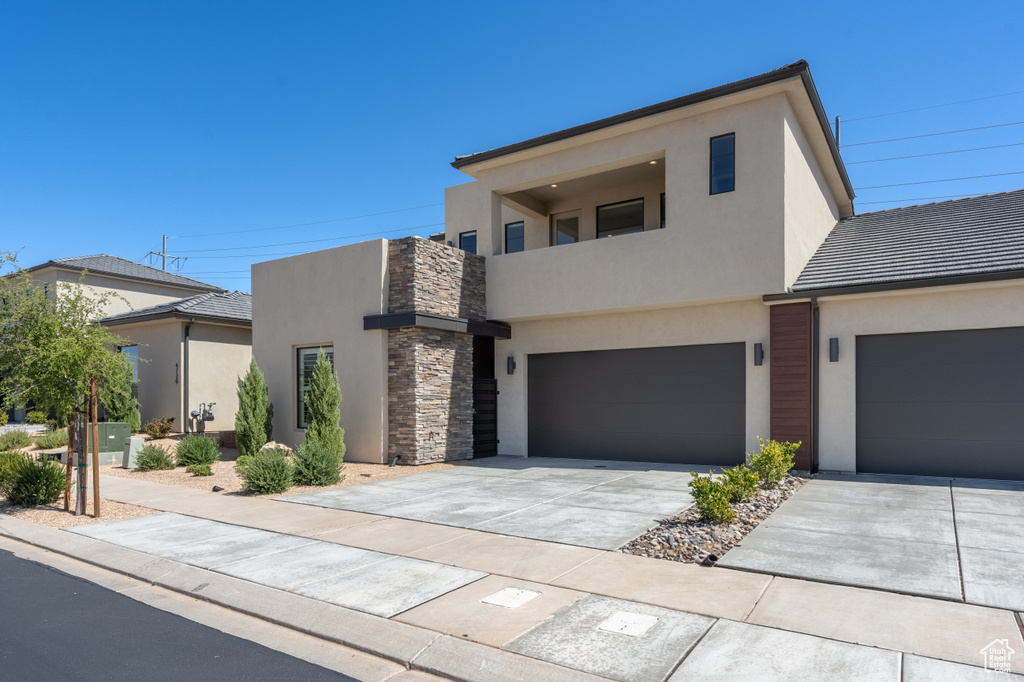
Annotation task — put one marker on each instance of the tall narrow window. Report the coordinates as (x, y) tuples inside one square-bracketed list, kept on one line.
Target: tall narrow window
[(467, 241), (514, 239), (306, 362), (663, 210), (622, 218), (723, 163)]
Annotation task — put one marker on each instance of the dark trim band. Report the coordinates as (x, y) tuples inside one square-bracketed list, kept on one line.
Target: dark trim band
[(896, 286), (497, 330), (114, 322)]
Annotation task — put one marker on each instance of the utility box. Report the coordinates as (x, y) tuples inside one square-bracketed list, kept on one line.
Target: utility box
[(112, 437), (132, 447)]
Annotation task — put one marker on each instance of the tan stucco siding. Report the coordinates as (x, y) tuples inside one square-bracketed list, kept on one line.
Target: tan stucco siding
[(980, 306), (741, 321), (317, 299), (217, 356), (135, 294), (161, 368), (810, 209)]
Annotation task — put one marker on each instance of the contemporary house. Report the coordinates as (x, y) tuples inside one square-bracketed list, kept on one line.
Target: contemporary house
[(669, 284), (190, 353)]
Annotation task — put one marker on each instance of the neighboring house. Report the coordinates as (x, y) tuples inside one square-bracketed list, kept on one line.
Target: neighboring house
[(190, 351), (665, 285), (139, 285)]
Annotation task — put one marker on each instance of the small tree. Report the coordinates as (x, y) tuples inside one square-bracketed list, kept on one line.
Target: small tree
[(253, 419), (323, 407), (118, 395)]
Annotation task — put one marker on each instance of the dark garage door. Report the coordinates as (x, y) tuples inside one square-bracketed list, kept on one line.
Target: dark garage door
[(677, 404), (942, 403)]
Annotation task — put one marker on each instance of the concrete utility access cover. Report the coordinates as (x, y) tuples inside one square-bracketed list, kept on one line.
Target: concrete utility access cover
[(589, 503)]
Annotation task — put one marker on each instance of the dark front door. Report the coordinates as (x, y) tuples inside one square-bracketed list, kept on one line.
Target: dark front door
[(942, 403), (684, 404), (485, 398)]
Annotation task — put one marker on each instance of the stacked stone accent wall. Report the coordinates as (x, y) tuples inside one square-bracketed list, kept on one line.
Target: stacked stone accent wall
[(430, 371)]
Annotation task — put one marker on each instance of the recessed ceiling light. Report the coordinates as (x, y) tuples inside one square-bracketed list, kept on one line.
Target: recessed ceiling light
[(653, 162), (554, 185)]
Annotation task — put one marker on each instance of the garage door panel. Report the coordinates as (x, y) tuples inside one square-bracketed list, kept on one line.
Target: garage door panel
[(942, 403), (675, 404)]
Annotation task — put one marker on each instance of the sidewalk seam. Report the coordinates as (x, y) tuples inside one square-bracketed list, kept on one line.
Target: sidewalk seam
[(758, 600), (956, 539)]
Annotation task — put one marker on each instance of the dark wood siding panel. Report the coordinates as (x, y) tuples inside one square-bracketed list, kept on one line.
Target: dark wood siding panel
[(789, 359)]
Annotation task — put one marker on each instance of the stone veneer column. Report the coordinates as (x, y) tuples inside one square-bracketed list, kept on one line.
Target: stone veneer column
[(430, 371)]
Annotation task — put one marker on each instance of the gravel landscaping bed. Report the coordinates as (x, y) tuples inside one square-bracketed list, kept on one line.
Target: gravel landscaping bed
[(54, 516), (688, 538)]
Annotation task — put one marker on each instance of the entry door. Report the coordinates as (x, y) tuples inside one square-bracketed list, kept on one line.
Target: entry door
[(684, 404), (565, 228)]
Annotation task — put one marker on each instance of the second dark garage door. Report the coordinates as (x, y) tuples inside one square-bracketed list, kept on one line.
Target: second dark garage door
[(942, 403), (683, 404)]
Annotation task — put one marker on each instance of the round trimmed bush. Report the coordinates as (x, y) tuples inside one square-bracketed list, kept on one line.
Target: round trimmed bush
[(268, 472), (196, 449), (153, 457), (316, 463), (199, 469), (36, 484)]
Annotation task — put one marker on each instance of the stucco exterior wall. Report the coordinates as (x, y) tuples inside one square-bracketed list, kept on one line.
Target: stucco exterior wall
[(320, 298), (136, 294), (161, 368), (218, 356), (740, 321), (979, 306)]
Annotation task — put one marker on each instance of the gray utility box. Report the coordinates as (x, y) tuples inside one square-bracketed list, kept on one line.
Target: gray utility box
[(132, 446)]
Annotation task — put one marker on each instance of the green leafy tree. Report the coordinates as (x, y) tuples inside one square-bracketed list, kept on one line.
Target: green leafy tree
[(253, 420), (323, 408), (117, 393)]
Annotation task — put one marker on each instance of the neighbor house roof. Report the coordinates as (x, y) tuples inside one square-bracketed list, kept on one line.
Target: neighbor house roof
[(227, 308), (800, 68), (976, 238), (102, 264)]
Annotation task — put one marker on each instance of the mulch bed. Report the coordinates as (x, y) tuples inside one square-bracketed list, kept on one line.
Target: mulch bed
[(690, 539)]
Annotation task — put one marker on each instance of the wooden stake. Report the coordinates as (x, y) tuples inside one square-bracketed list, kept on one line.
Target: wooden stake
[(95, 452), (83, 461), (72, 425)]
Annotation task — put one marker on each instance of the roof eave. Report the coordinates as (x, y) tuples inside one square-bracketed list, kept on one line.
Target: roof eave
[(950, 280), (116, 321), (202, 288)]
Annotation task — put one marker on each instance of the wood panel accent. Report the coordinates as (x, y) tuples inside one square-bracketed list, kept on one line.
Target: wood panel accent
[(790, 362)]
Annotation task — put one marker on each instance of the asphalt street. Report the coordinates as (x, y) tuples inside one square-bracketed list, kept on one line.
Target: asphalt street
[(57, 627)]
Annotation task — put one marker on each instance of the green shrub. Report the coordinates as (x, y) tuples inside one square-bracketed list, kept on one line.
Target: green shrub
[(323, 407), (773, 462), (36, 417), (711, 498), (196, 449), (268, 472), (255, 413), (3, 417), (52, 440), (159, 427), (153, 457), (9, 462), (35, 484), (14, 440), (740, 483), (241, 463), (119, 396), (316, 464), (199, 469)]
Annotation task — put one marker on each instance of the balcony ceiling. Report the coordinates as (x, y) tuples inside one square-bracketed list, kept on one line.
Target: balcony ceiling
[(639, 173)]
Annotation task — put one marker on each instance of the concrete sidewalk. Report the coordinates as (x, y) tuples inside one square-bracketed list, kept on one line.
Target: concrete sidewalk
[(705, 621)]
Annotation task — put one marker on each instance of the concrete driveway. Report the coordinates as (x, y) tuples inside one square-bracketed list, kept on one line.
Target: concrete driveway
[(589, 503), (955, 539)]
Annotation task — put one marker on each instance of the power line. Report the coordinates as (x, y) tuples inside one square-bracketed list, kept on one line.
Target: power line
[(932, 106), (896, 201), (945, 132), (928, 182), (311, 241), (954, 151), (317, 222)]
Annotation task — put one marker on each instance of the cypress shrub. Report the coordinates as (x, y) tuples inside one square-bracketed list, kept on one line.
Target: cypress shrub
[(323, 408), (253, 420), (316, 464)]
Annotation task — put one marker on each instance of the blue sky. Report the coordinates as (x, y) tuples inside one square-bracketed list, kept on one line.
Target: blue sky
[(121, 122)]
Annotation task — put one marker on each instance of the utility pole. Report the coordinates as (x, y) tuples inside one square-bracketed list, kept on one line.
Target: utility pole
[(837, 144), (165, 256)]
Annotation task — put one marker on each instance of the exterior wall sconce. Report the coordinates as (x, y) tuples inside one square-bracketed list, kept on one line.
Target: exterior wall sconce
[(833, 349), (511, 366), (758, 354)]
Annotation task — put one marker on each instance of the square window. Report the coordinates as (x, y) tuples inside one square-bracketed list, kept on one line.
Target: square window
[(723, 163), (624, 217), (306, 362), (514, 237), (467, 241)]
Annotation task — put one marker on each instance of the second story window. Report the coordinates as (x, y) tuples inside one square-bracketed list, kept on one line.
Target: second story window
[(514, 237), (723, 163), (624, 217), (467, 241)]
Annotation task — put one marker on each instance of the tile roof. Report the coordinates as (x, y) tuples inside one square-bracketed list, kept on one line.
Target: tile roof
[(219, 307), (976, 236), (102, 264)]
